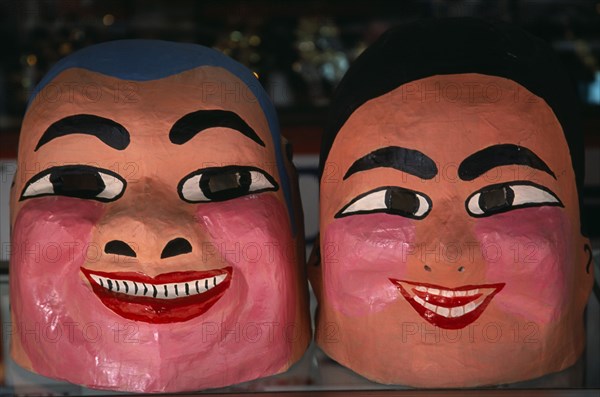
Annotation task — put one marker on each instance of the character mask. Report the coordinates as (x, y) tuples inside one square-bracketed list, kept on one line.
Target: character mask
[(153, 219), (451, 250)]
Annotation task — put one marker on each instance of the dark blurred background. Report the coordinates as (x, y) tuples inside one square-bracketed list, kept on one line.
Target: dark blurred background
[(299, 49)]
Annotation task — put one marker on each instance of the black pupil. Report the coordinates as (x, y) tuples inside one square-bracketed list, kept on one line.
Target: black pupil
[(81, 184), (402, 202), (496, 199), (224, 185)]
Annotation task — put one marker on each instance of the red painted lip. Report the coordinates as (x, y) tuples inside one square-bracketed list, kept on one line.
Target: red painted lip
[(449, 308), (165, 298)]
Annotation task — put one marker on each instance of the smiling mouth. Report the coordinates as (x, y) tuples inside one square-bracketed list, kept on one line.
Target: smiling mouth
[(165, 298), (449, 308)]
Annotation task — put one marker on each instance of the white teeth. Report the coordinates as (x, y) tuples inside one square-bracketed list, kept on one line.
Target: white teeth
[(469, 307), (159, 291), (449, 312), (443, 311), (457, 311), (446, 293)]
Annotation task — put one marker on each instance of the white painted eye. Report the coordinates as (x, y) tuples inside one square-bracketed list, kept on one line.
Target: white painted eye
[(224, 183), (190, 190), (113, 186), (42, 186), (80, 181), (391, 200), (504, 197)]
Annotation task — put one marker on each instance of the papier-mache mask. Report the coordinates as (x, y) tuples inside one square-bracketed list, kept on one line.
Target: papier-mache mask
[(451, 249), (154, 223)]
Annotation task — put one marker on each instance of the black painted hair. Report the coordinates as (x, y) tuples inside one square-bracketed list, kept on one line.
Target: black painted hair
[(424, 48)]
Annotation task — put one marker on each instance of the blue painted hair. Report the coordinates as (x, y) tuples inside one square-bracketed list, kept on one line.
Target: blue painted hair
[(145, 60)]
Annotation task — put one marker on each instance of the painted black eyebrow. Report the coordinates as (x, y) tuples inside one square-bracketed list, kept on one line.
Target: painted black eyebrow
[(491, 157), (408, 160), (193, 123), (108, 131)]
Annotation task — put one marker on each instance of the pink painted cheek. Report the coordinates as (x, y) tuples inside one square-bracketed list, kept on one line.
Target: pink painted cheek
[(531, 251), (50, 241), (359, 254), (253, 235)]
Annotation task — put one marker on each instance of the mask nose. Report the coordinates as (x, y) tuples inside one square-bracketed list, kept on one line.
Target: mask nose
[(119, 247), (177, 246), (450, 252), (150, 232), (428, 268)]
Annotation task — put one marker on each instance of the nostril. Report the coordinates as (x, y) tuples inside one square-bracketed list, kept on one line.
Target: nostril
[(177, 246), (427, 268), (119, 247), (461, 269)]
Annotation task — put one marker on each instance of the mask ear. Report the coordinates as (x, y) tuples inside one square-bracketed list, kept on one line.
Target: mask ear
[(314, 268), (588, 250), (586, 270), (590, 267), (286, 148), (303, 316)]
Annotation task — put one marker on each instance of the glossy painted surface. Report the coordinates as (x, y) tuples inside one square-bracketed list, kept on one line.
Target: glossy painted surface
[(104, 338)]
